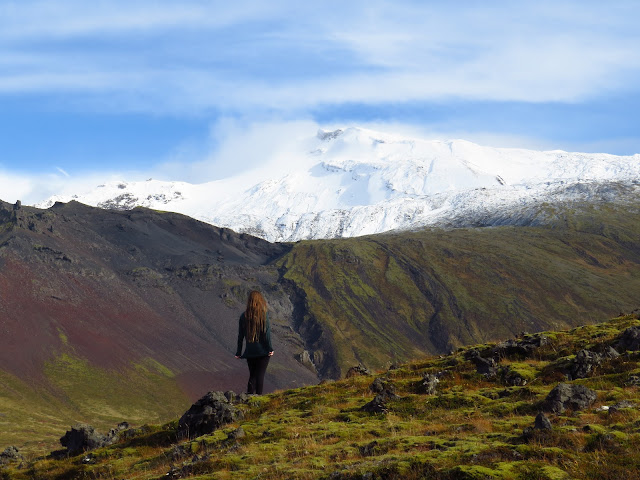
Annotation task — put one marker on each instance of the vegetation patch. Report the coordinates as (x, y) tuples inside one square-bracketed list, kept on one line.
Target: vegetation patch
[(471, 428)]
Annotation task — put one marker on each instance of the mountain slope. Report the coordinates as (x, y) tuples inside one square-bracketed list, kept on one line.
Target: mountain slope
[(392, 297), (96, 305), (107, 314), (356, 182), (439, 418)]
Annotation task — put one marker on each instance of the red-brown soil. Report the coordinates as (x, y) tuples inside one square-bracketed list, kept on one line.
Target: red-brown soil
[(116, 288)]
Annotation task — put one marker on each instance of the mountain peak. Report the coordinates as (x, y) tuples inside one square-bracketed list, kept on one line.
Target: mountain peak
[(357, 181)]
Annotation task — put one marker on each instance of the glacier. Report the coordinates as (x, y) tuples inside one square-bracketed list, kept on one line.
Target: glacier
[(355, 181)]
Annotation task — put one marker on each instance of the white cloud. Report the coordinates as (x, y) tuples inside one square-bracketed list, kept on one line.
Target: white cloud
[(73, 18), (34, 188), (194, 56), (238, 146)]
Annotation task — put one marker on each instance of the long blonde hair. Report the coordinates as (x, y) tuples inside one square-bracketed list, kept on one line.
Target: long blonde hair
[(256, 316)]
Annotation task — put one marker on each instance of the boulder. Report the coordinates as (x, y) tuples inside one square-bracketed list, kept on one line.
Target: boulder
[(379, 403), (629, 340), (83, 437), (564, 396), (485, 366), (584, 364), (620, 405), (211, 412), (357, 370), (114, 433), (542, 422), (541, 427)]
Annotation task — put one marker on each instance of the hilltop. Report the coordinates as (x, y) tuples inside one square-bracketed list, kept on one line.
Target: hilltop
[(554, 405)]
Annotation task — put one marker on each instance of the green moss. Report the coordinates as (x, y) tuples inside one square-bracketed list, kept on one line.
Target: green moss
[(474, 472), (312, 432), (151, 366)]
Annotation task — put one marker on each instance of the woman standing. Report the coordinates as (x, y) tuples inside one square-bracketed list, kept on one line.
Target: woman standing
[(254, 326)]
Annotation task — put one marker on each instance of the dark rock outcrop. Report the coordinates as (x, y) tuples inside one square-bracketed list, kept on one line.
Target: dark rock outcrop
[(484, 366), (564, 396), (542, 422), (541, 426), (357, 370), (379, 403), (629, 340), (620, 405), (211, 412), (584, 364), (83, 437), (523, 347)]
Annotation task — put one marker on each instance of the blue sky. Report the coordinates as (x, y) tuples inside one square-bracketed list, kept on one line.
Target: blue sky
[(194, 90)]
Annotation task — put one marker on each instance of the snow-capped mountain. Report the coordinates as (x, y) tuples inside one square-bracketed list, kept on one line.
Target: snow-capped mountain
[(355, 181)]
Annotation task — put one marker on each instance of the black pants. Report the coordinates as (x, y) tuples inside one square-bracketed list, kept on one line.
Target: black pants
[(257, 369)]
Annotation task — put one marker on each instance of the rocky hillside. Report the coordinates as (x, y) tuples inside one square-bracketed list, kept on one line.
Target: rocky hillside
[(110, 315), (554, 405)]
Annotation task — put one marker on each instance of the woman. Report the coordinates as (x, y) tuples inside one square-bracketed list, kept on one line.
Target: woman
[(254, 326)]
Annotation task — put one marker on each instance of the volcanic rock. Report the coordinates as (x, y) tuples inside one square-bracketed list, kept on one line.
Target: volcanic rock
[(512, 378), (379, 403), (83, 437), (484, 366), (211, 412), (542, 422), (522, 348), (584, 364), (357, 370), (629, 340), (620, 405), (564, 395), (379, 385)]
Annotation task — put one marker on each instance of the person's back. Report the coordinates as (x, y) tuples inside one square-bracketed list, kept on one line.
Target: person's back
[(254, 327)]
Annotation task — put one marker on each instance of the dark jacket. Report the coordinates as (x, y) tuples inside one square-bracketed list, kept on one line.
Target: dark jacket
[(260, 348)]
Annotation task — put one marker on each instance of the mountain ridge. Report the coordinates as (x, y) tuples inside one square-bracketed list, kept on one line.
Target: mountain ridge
[(355, 182)]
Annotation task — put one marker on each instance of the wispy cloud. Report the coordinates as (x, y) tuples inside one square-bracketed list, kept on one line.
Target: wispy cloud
[(533, 74), (63, 172), (290, 56)]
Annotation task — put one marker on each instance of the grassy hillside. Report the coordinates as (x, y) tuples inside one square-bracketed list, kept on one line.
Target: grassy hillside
[(34, 416), (388, 298), (472, 427), (108, 316)]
